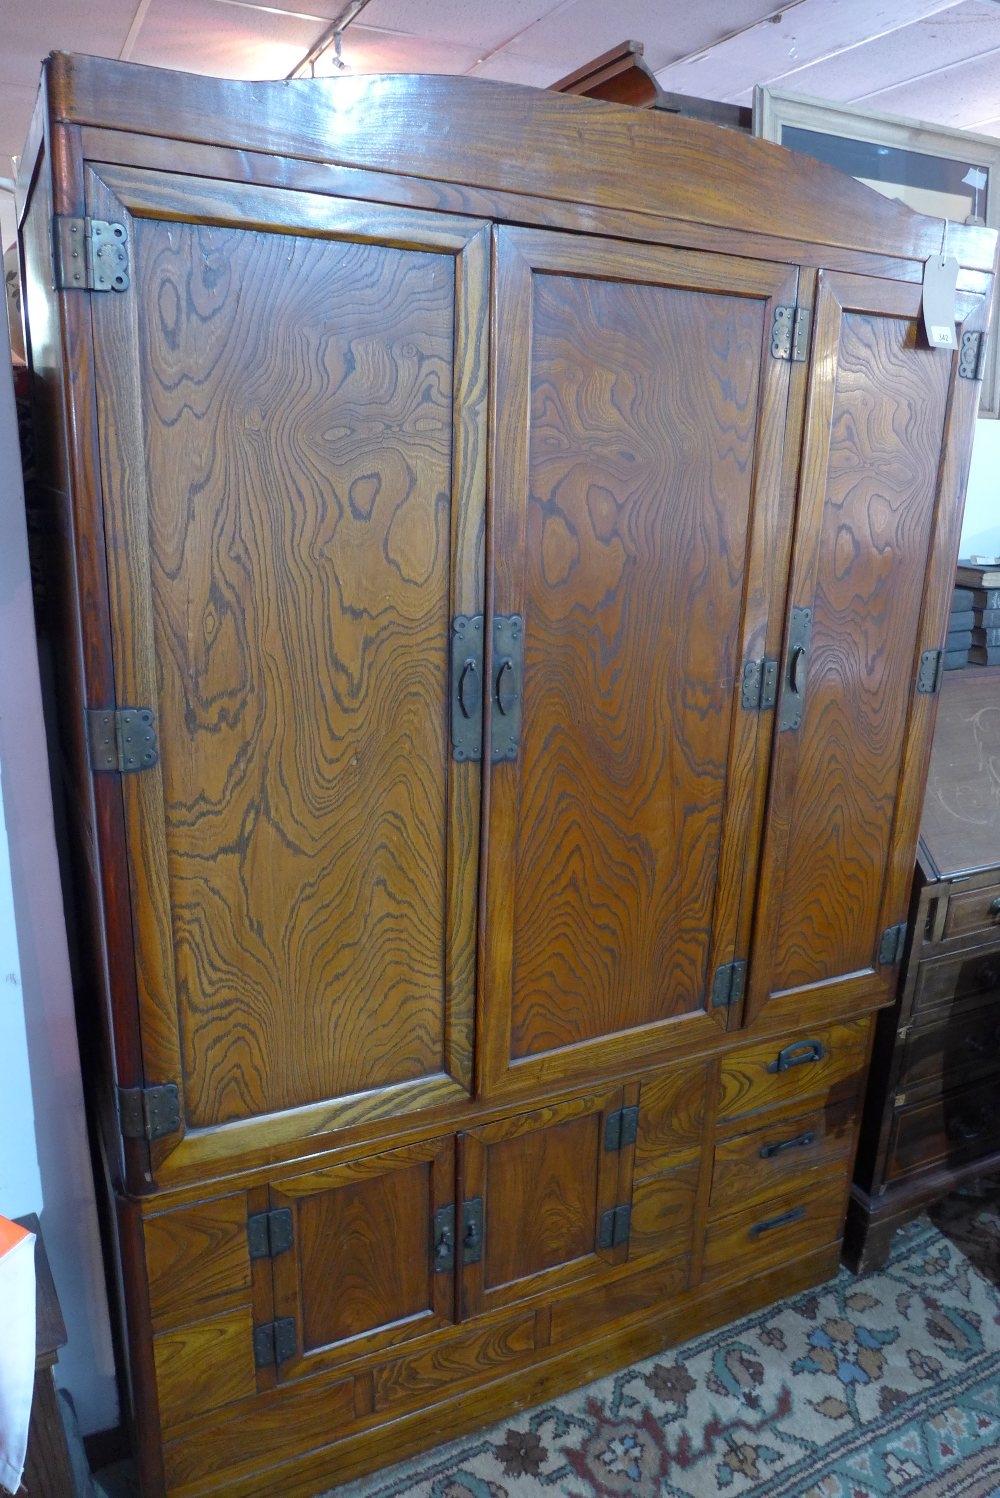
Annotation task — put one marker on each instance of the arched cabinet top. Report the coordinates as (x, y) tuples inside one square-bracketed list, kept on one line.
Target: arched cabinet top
[(508, 138)]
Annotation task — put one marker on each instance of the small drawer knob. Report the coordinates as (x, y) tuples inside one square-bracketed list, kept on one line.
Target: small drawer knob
[(995, 906)]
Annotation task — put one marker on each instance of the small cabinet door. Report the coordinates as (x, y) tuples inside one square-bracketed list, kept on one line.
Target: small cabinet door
[(640, 533), (291, 405), (371, 1263), (538, 1198), (888, 423)]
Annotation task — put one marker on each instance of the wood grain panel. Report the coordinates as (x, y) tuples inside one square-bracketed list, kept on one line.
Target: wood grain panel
[(415, 1376), (749, 1078), (360, 1276), (310, 501), (628, 461), (764, 1234), (671, 1118), (197, 1259), (663, 1212), (542, 1199), (204, 1366)]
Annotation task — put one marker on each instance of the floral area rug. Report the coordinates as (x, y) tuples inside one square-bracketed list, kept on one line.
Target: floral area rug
[(971, 1218), (884, 1385)]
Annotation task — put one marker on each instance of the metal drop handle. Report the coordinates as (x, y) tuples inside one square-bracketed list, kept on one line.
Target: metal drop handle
[(794, 1214), (469, 688), (799, 1053), (799, 1142), (506, 686), (797, 670)]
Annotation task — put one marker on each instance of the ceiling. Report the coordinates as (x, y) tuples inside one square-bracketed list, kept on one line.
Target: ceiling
[(937, 60)]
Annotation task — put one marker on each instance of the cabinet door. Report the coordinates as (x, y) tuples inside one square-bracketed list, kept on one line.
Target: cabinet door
[(363, 1272), (888, 432), (640, 530), (290, 401), (535, 1194)]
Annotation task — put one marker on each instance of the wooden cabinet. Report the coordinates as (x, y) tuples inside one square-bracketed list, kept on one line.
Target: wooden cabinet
[(930, 1115), (497, 579)]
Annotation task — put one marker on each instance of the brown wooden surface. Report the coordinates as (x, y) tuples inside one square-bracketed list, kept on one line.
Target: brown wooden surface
[(197, 1259), (749, 1079), (761, 1231), (800, 1152), (960, 827), (873, 547)]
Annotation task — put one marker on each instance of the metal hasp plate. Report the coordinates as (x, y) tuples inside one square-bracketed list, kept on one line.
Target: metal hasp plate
[(891, 945), (970, 356), (508, 683), (472, 1230), (729, 984), (270, 1233), (443, 1239), (930, 672), (793, 692), (122, 739), (759, 687), (274, 1342), (149, 1112), (467, 686), (790, 330), (614, 1227), (89, 254), (621, 1128)]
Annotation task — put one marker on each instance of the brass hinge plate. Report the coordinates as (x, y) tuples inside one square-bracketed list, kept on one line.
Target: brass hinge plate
[(122, 739), (89, 254), (891, 945), (971, 356), (729, 984), (614, 1227), (621, 1128), (930, 672), (270, 1233), (790, 331), (149, 1112), (759, 687), (274, 1342)]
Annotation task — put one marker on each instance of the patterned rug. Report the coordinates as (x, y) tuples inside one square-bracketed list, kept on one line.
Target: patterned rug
[(866, 1387)]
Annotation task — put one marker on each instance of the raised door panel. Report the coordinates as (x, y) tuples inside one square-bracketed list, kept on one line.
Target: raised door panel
[(888, 430), (538, 1187), (638, 531), (362, 1274), (290, 401)]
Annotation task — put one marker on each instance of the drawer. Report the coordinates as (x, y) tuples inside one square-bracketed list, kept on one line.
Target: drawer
[(964, 1040), (827, 1063), (959, 1125), (948, 980), (788, 1154), (974, 910), (770, 1232)]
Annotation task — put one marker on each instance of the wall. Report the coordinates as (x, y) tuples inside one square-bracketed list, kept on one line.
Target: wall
[(981, 530), (44, 1158)]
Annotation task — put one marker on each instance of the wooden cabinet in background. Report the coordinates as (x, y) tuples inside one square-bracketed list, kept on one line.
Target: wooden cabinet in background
[(499, 549), (930, 1115)]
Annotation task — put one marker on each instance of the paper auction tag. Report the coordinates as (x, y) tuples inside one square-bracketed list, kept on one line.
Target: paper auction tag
[(940, 280)]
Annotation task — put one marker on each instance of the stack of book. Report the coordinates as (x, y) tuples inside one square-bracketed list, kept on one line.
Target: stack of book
[(982, 580), (958, 641)]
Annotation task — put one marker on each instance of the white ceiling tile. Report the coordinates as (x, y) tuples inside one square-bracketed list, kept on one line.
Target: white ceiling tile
[(510, 67), (227, 41), (31, 29), (480, 25), (778, 51), (367, 50), (959, 95)]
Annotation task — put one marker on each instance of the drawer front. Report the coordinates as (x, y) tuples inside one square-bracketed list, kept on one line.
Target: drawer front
[(964, 1041), (959, 1125), (786, 1155), (771, 1232), (827, 1063), (951, 980), (975, 910)]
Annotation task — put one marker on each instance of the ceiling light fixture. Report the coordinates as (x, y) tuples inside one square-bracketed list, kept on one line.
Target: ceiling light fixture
[(329, 42)]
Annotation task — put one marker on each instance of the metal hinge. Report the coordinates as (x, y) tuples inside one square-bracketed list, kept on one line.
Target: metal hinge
[(122, 739), (930, 672), (891, 944), (269, 1233), (89, 254), (790, 333), (621, 1128), (274, 1342), (729, 984), (614, 1227), (149, 1112), (971, 356), (759, 690)]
